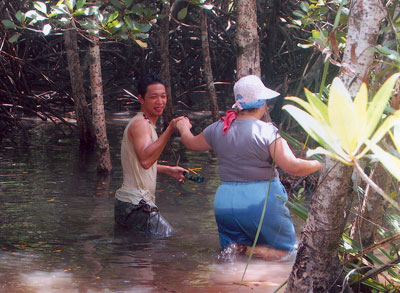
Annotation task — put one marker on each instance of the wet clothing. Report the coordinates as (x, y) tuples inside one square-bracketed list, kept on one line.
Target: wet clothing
[(141, 218), (135, 200), (238, 207), (245, 168)]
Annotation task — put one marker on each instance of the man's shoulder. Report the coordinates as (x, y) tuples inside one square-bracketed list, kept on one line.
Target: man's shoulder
[(140, 124)]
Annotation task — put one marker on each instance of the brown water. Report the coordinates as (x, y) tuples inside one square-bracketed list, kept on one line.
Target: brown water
[(57, 231)]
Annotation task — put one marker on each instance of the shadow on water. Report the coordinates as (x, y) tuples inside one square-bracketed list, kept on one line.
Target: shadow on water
[(57, 231)]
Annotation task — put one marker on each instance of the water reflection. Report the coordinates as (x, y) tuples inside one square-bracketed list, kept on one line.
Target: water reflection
[(57, 231)]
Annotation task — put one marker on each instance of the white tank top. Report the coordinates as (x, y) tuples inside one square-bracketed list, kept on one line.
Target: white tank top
[(138, 183)]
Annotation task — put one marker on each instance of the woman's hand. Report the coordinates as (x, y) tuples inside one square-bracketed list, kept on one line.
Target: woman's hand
[(183, 123)]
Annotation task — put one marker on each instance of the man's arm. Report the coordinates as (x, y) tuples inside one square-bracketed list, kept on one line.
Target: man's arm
[(173, 171), (146, 150)]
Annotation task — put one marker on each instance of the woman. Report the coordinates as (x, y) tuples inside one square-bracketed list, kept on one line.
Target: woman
[(248, 150)]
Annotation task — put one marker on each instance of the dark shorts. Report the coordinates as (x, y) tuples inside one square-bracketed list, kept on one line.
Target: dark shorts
[(141, 218)]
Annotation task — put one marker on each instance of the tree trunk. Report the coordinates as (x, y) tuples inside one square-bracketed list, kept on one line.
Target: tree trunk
[(371, 210), (82, 111), (316, 267), (247, 40), (207, 66), (99, 121), (165, 66)]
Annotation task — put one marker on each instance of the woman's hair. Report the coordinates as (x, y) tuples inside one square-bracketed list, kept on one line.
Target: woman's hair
[(147, 80)]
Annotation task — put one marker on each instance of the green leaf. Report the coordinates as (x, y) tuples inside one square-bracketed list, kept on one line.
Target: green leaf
[(78, 12), (20, 16), (317, 105), (144, 27), (71, 4), (128, 3), (296, 208), (390, 162), (14, 38), (182, 13), (129, 23), (40, 6), (80, 4), (113, 16), (378, 104), (341, 114), (298, 13), (116, 4), (389, 122), (304, 6), (8, 24), (32, 14), (59, 9), (307, 107), (322, 135), (389, 53)]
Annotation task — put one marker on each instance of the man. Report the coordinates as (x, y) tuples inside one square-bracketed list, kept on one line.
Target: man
[(140, 149)]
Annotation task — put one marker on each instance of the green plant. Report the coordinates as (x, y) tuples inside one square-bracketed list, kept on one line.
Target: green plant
[(348, 129)]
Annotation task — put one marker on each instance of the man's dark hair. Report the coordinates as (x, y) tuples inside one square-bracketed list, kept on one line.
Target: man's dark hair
[(147, 80)]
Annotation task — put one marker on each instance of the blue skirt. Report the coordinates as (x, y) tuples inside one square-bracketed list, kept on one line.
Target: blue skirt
[(238, 207)]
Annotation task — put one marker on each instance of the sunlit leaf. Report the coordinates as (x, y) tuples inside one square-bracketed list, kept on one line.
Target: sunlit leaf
[(316, 130), (46, 29), (59, 9), (341, 115), (113, 16), (378, 104), (79, 11), (396, 136), (32, 14), (321, 151), (71, 4), (360, 105), (387, 124), (141, 43), (390, 162), (40, 6), (317, 105)]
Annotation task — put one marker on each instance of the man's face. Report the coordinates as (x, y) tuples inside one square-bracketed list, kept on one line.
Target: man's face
[(155, 99)]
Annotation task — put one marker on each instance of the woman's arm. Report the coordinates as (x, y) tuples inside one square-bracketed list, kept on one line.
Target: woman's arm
[(194, 143), (288, 162)]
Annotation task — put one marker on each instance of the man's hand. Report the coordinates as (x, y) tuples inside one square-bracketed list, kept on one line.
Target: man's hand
[(177, 173), (173, 171)]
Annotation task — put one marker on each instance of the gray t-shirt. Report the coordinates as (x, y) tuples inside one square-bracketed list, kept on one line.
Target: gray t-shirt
[(243, 152)]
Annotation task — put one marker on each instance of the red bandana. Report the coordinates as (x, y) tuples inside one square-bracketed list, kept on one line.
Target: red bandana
[(228, 119)]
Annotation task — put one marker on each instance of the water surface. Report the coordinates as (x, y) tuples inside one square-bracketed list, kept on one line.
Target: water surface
[(57, 232)]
